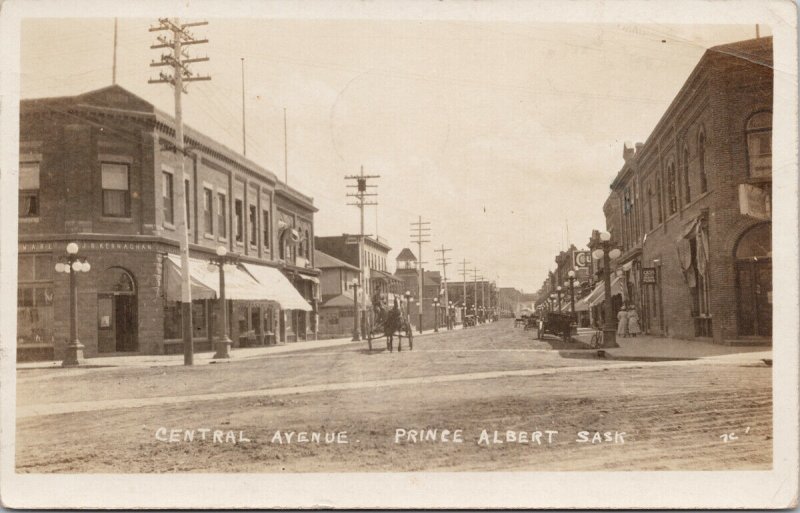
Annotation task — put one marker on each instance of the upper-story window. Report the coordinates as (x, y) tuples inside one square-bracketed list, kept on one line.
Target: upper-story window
[(649, 208), (672, 188), (238, 219), (253, 220), (701, 159), (187, 194), (660, 193), (687, 187), (222, 215), (208, 210), (29, 189), (265, 232), (759, 144), (308, 245), (168, 197), (116, 189)]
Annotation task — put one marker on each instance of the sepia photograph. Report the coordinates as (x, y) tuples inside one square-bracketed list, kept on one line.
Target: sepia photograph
[(401, 254)]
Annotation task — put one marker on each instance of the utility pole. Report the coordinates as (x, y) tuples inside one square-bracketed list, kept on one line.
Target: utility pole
[(475, 303), (443, 261), (179, 61), (361, 197), (464, 283), (114, 64), (422, 230), (244, 127)]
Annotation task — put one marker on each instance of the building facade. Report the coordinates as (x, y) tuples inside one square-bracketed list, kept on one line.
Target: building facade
[(690, 208), (99, 169)]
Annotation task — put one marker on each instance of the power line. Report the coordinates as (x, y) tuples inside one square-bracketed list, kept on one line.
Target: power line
[(361, 197), (422, 231), (179, 61)]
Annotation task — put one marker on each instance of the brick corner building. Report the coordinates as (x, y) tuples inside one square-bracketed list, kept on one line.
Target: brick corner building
[(690, 207), (99, 169)]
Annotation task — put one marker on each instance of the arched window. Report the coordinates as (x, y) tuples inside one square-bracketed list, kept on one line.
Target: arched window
[(649, 208), (672, 188), (660, 192), (701, 159), (687, 187), (759, 144), (308, 245), (755, 243)]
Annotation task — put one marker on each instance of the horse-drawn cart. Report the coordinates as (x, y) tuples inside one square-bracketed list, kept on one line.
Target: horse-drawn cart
[(389, 323), (555, 323)]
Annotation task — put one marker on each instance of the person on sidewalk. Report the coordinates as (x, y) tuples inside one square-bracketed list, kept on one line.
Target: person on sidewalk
[(622, 322), (633, 323)]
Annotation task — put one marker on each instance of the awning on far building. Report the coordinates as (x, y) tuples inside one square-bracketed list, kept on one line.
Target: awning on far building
[(599, 293), (276, 287)]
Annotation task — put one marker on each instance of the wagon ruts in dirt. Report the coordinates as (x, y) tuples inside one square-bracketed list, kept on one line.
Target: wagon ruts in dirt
[(389, 324), (555, 323)]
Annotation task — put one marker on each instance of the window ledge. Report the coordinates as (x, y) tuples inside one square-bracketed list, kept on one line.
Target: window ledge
[(27, 220), (112, 219), (209, 236), (169, 226), (222, 239)]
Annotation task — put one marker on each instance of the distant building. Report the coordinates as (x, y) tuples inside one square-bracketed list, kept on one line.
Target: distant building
[(508, 299), (336, 312)]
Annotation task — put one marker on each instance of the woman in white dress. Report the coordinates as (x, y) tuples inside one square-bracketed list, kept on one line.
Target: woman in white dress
[(622, 322), (633, 323)]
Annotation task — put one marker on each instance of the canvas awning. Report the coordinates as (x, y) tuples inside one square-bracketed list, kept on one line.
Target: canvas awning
[(274, 285), (205, 280), (172, 283), (312, 279), (581, 305), (598, 294)]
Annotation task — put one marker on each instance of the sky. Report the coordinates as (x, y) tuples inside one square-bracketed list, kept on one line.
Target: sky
[(504, 135)]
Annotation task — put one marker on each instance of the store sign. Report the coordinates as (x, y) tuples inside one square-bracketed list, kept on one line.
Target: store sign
[(580, 259), (50, 246), (755, 202), (649, 275)]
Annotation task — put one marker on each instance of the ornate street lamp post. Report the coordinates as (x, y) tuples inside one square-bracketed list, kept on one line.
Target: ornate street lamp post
[(450, 315), (607, 253), (356, 316), (571, 275), (222, 259), (72, 264), (558, 297), (436, 315)]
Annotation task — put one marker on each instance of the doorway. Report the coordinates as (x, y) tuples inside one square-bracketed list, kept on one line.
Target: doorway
[(118, 324), (754, 282)]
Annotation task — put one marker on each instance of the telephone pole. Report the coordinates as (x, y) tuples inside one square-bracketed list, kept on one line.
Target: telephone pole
[(361, 200), (179, 61), (443, 261), (422, 230), (475, 302), (463, 272)]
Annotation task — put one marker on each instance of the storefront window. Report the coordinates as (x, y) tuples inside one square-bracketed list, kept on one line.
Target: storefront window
[(172, 320), (759, 144), (199, 320), (35, 300)]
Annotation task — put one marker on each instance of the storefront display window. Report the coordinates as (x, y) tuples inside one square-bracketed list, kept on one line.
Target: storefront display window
[(35, 300)]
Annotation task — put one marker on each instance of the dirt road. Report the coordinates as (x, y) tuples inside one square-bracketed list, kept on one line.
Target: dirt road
[(657, 416)]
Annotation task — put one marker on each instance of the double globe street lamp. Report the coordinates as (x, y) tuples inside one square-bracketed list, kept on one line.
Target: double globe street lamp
[(72, 264), (606, 252), (222, 259)]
